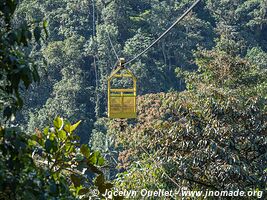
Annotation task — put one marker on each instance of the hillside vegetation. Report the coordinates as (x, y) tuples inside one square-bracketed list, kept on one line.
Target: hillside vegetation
[(202, 92)]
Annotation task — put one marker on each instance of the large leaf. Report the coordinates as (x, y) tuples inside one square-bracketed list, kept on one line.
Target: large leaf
[(74, 126), (96, 158), (100, 161), (101, 183), (58, 123), (76, 180), (67, 127), (85, 150), (83, 191), (62, 135)]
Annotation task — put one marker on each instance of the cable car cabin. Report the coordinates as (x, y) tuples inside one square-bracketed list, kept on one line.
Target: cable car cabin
[(122, 100)]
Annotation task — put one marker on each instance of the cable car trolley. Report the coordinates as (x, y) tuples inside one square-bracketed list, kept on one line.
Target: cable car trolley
[(122, 100)]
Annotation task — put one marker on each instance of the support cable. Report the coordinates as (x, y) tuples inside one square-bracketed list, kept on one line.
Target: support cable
[(94, 63), (163, 34), (113, 48)]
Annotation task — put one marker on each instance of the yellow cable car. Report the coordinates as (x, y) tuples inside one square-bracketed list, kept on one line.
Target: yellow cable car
[(121, 101)]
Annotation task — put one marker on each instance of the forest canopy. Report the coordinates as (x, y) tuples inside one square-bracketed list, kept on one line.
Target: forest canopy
[(201, 106)]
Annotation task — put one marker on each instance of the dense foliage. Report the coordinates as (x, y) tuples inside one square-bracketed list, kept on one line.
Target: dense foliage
[(47, 164), (212, 136), (201, 106), (79, 55), (16, 67)]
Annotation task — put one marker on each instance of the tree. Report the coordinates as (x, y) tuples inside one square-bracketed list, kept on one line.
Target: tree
[(49, 164), (241, 20), (212, 136), (45, 165), (69, 75), (16, 67)]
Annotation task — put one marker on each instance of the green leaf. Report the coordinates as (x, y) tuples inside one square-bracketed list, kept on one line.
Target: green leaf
[(85, 150), (101, 161), (74, 126), (45, 25), (99, 182), (52, 136), (68, 147), (76, 180), (109, 185), (46, 130), (67, 127), (93, 158), (62, 135), (58, 123), (96, 158), (83, 191)]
